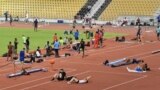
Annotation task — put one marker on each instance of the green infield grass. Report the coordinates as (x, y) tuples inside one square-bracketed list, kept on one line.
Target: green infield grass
[(36, 38)]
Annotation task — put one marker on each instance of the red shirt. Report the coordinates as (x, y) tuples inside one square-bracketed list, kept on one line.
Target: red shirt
[(96, 36)]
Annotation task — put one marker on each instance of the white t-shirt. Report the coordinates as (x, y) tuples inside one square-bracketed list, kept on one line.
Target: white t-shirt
[(38, 54)]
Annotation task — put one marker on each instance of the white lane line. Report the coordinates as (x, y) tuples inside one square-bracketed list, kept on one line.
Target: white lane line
[(131, 56), (51, 81), (92, 50), (6, 69), (75, 62), (31, 81), (17, 70), (118, 49), (140, 54), (120, 84), (149, 56), (116, 73), (112, 50), (82, 63)]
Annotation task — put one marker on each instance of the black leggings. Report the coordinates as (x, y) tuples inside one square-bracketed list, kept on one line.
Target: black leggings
[(56, 53), (158, 34)]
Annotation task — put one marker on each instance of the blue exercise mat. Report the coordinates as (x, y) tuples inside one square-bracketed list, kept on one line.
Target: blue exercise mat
[(20, 73), (118, 62)]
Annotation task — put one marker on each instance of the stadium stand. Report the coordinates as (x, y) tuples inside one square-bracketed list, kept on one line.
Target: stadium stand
[(101, 9), (0, 11), (86, 8), (56, 9), (129, 8)]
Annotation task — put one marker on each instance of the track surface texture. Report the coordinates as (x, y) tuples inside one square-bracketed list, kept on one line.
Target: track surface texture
[(103, 77)]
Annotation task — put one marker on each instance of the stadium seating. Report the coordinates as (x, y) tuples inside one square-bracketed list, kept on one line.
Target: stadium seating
[(129, 8), (101, 9), (0, 8), (1, 12), (84, 10), (43, 8)]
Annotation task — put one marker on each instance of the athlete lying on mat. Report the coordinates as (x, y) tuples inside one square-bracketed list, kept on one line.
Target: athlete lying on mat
[(139, 69), (61, 75), (73, 79), (123, 61)]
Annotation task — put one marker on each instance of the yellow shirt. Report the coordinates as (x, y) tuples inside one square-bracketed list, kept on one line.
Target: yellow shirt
[(61, 42)]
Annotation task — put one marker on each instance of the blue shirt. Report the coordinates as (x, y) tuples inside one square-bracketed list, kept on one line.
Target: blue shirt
[(76, 34), (22, 55), (56, 45), (139, 69)]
